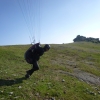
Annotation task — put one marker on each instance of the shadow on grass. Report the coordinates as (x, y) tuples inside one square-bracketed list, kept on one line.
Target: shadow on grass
[(9, 82)]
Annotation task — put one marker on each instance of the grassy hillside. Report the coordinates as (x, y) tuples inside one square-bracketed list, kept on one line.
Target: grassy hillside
[(67, 72)]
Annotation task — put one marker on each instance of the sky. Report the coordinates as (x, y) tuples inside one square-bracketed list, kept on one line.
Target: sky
[(48, 21)]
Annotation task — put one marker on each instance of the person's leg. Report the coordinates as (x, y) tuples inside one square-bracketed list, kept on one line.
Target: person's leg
[(34, 68)]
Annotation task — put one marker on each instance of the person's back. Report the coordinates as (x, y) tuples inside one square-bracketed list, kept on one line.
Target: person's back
[(34, 53), (38, 52)]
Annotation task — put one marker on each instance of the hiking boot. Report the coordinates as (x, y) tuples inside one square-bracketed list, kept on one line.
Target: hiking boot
[(27, 75)]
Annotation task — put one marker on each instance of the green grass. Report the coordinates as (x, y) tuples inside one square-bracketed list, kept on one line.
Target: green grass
[(48, 82)]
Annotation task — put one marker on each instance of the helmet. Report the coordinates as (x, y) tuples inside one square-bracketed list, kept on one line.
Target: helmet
[(47, 47)]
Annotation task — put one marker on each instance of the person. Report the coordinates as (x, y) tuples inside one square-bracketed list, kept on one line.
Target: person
[(32, 55)]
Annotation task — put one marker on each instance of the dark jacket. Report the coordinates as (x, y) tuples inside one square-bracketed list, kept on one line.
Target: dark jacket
[(34, 53)]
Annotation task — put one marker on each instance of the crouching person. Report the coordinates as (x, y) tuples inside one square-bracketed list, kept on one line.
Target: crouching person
[(32, 56)]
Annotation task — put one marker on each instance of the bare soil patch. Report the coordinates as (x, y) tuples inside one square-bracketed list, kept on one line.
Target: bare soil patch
[(77, 72), (84, 76)]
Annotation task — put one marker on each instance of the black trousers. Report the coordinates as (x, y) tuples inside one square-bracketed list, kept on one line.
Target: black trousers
[(34, 68), (31, 60)]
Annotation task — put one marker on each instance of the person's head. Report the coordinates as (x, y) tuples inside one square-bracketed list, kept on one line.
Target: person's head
[(46, 47)]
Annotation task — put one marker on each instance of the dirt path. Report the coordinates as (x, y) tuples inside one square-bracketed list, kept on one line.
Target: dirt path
[(81, 75), (84, 76)]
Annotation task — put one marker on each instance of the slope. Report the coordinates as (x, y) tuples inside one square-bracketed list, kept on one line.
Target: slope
[(67, 72)]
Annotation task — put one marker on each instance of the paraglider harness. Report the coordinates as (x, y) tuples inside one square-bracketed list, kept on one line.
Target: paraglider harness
[(29, 53)]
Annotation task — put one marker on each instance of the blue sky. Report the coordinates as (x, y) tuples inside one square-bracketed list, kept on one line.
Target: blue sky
[(48, 21)]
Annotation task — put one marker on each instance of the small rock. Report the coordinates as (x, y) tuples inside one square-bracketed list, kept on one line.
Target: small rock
[(91, 92), (34, 83), (1, 91), (95, 94), (48, 83), (37, 94), (53, 98), (47, 93), (14, 74), (99, 92), (16, 97), (10, 92), (63, 80), (95, 88), (49, 87), (19, 87)]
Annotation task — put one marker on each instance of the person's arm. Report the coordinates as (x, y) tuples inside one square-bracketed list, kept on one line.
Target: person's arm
[(40, 51)]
